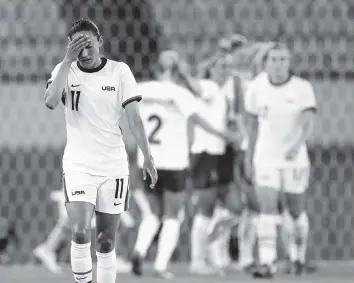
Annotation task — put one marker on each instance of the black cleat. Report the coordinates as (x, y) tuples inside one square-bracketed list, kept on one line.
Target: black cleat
[(310, 267), (264, 271), (289, 266), (137, 265), (250, 268), (299, 268)]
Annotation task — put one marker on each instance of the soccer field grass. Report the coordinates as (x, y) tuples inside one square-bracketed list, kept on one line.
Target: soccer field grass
[(331, 272)]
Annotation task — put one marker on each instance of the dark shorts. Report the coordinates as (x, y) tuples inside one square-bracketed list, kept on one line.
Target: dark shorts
[(210, 170), (226, 167), (168, 180)]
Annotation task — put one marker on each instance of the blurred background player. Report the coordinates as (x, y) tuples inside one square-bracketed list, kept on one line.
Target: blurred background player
[(8, 235), (218, 202), (246, 231), (166, 109), (281, 116)]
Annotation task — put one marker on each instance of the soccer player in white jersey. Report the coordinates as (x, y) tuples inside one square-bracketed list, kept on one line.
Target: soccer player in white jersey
[(95, 91), (248, 220), (281, 110), (212, 173), (166, 109)]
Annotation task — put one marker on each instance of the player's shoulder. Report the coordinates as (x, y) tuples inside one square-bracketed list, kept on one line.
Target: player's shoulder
[(117, 66), (260, 78), (300, 82), (258, 83)]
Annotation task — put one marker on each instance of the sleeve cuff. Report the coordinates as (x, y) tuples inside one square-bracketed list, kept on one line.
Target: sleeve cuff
[(311, 108), (134, 98), (48, 83)]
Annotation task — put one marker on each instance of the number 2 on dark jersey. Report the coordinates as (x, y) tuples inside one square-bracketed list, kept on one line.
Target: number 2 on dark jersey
[(158, 123), (75, 98)]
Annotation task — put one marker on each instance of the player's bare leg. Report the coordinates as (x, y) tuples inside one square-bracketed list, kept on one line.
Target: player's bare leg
[(148, 228), (106, 229), (226, 215), (206, 199), (172, 203), (296, 225), (80, 215), (267, 231), (247, 229), (46, 251)]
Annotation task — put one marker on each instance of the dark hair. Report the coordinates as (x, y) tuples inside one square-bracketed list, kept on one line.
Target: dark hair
[(84, 25)]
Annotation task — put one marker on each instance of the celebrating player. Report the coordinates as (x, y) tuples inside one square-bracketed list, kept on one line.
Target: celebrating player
[(166, 109), (281, 111), (95, 91)]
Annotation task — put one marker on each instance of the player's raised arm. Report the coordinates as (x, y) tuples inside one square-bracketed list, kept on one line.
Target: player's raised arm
[(251, 122), (57, 84), (130, 99)]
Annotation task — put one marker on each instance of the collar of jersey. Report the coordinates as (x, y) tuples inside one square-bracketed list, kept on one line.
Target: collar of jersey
[(282, 83), (93, 70)]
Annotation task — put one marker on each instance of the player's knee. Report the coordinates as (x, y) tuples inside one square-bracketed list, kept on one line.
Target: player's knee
[(104, 243), (81, 236), (295, 210), (268, 200), (173, 202), (295, 204), (206, 204)]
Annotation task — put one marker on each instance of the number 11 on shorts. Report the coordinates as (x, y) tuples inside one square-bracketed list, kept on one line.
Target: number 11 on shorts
[(119, 191)]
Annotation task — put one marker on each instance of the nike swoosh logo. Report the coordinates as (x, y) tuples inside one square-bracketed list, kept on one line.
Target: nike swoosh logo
[(80, 278), (115, 204), (74, 85)]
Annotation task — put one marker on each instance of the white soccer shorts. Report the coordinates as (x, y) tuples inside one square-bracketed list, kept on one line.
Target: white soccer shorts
[(294, 180), (108, 194)]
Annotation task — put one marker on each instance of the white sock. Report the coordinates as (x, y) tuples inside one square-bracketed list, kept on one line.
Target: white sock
[(267, 236), (167, 243), (220, 214), (127, 219), (148, 228), (199, 239), (81, 262), (302, 232), (288, 235), (56, 236), (219, 254), (247, 235), (106, 267), (142, 202)]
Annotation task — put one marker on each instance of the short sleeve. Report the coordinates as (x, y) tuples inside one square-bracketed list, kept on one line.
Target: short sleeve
[(308, 99), (250, 99), (52, 77), (53, 74), (128, 87)]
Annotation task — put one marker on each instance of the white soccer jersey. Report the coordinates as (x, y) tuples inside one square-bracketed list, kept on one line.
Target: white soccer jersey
[(216, 112), (278, 108), (165, 110), (94, 101)]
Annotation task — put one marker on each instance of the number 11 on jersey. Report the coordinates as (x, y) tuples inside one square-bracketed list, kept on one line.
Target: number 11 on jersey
[(75, 98)]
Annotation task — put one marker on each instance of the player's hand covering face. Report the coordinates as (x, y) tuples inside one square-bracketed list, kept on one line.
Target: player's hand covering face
[(75, 46), (149, 168)]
